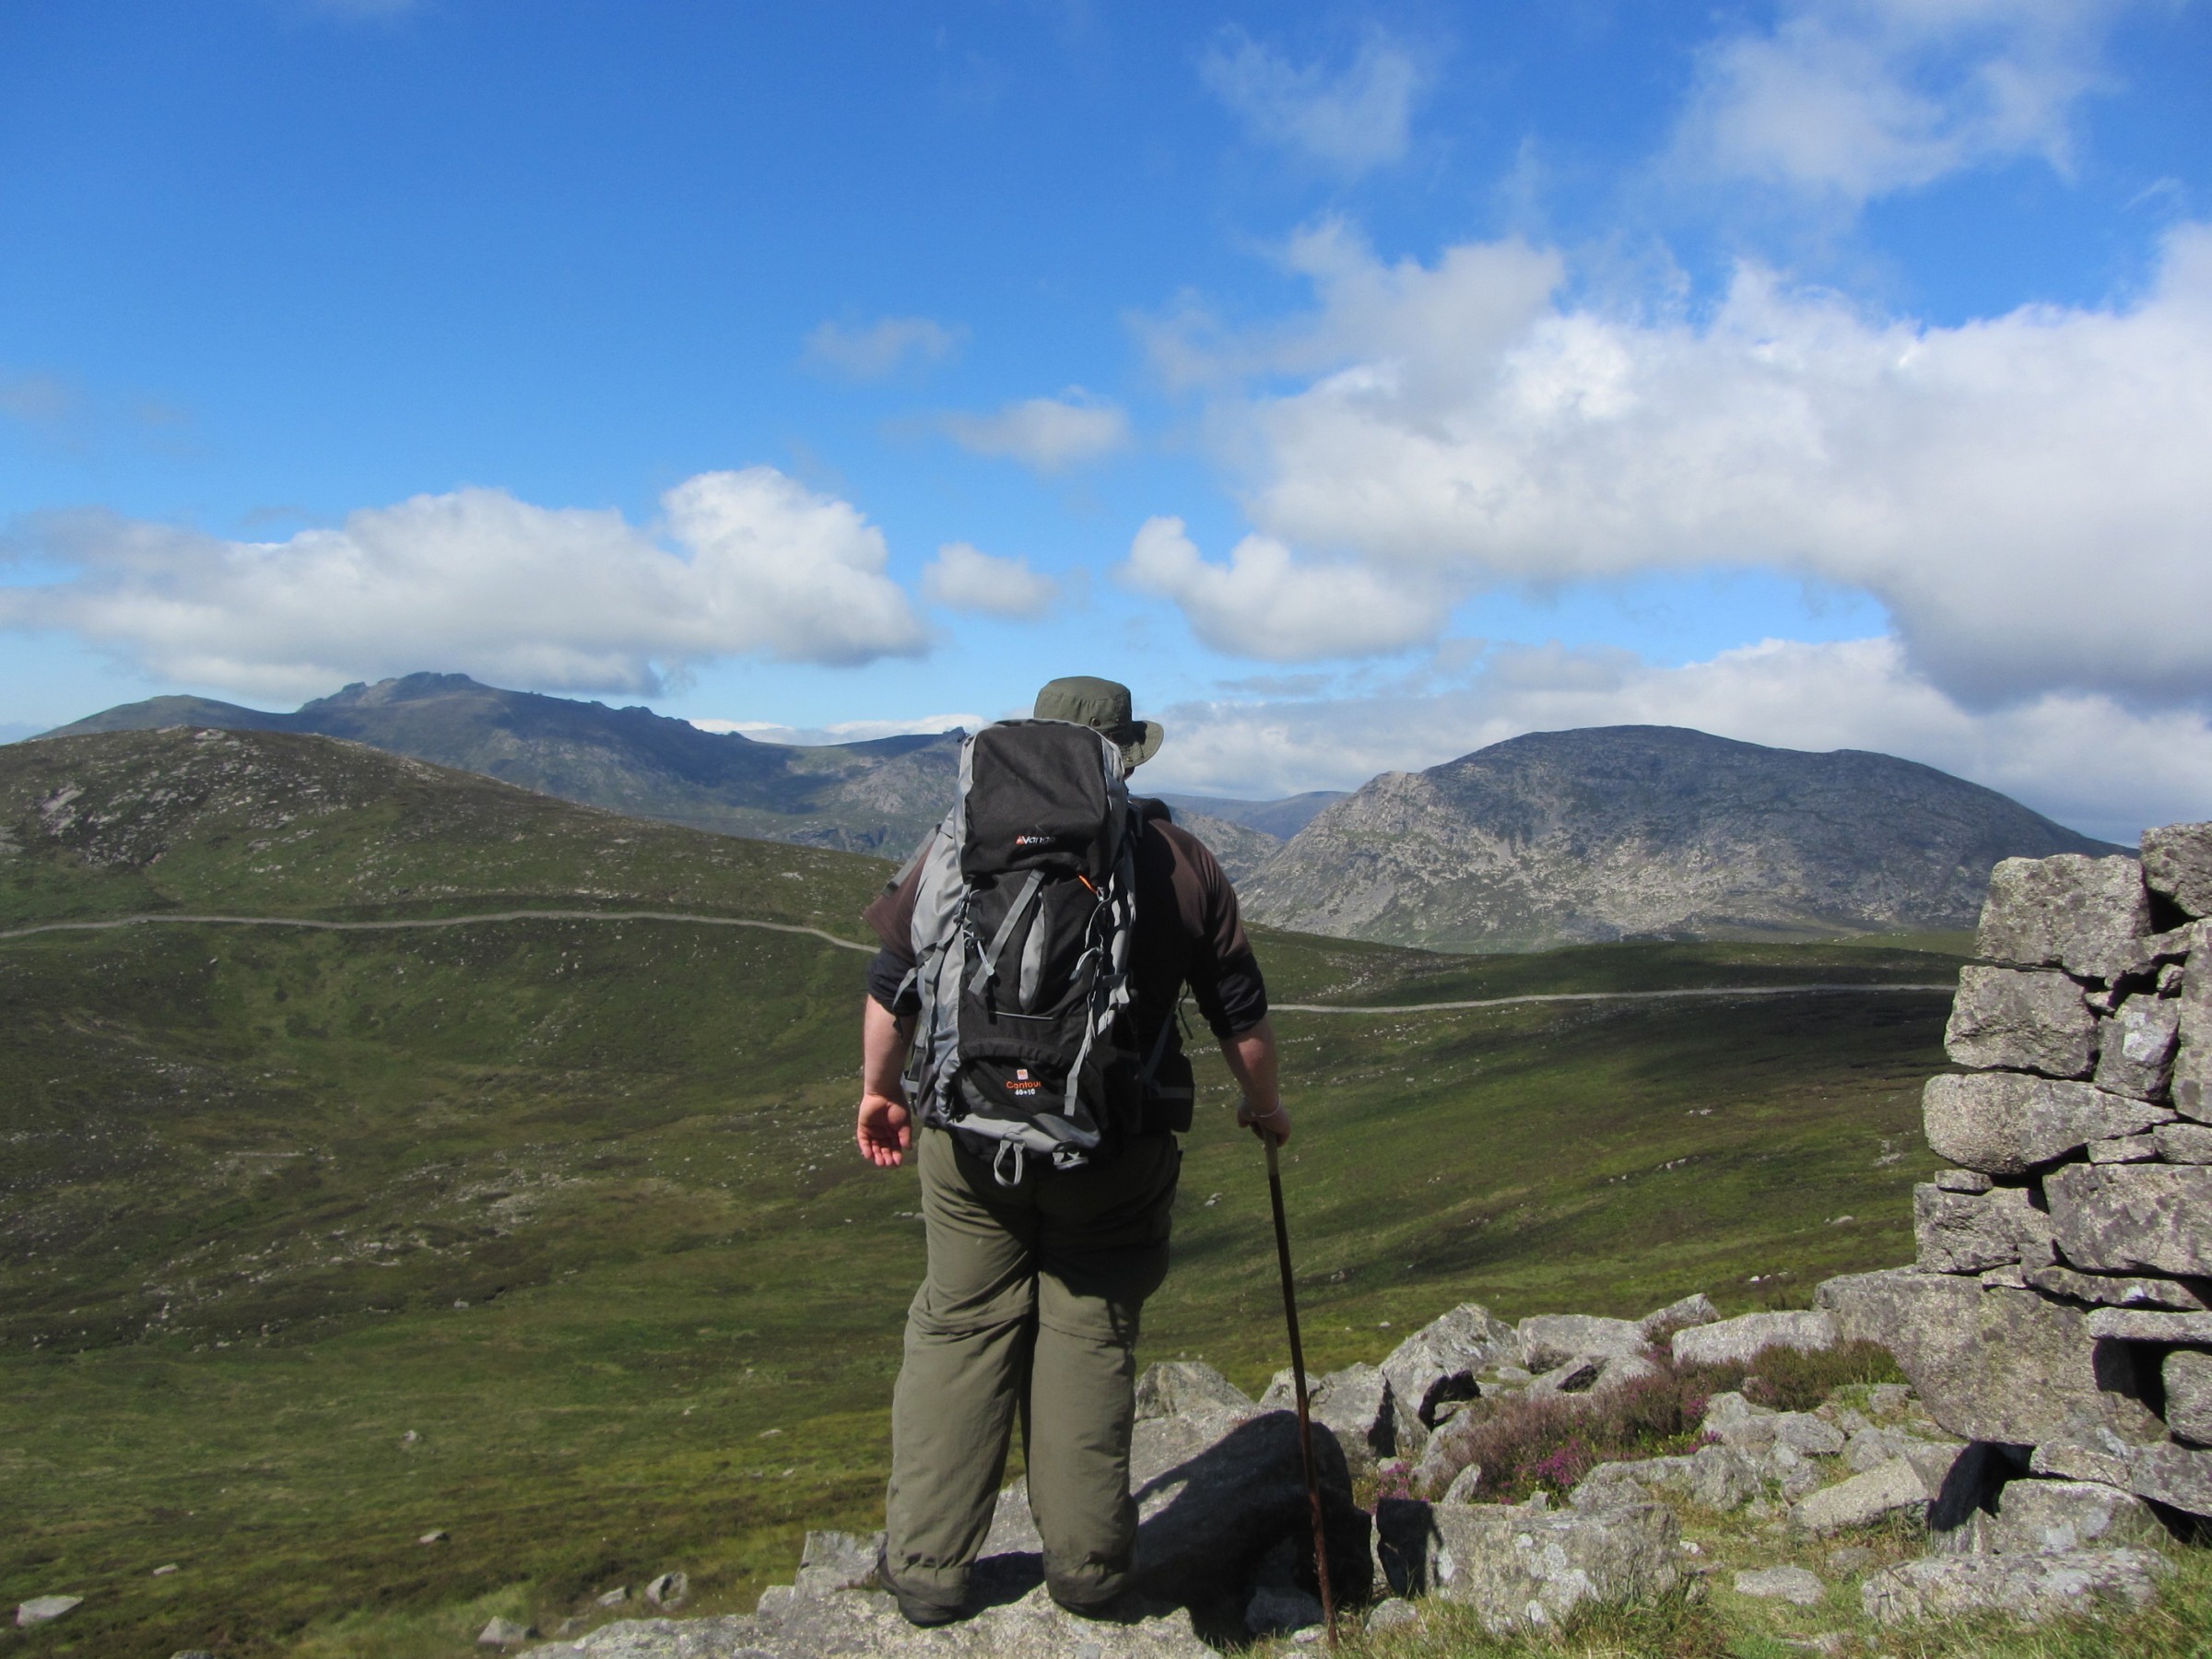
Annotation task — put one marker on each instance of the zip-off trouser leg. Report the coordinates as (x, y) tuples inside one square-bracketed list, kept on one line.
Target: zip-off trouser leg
[(1030, 1307)]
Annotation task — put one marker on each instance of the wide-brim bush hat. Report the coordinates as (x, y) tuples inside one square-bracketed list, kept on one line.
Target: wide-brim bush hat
[(1103, 705)]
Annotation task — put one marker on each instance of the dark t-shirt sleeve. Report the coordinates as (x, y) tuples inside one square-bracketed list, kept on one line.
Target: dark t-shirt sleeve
[(892, 917), (1222, 972)]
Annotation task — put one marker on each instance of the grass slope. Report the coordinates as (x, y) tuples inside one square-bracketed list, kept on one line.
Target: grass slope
[(572, 1204)]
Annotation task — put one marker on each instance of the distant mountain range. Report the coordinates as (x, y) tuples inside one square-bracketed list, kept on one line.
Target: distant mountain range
[(1616, 832), (1557, 837)]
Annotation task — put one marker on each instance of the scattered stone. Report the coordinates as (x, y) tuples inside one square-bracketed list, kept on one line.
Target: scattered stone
[(575, 1624), (1520, 1567), (2184, 1143), (1171, 1387), (1740, 1340), (1356, 1405), (2116, 1291), (669, 1590), (1783, 1583), (2177, 864), (1391, 1613), (1464, 1486), (2188, 1379), (1963, 1180), (1965, 1232), (1870, 1448), (620, 1593), (437, 1535), (1803, 1433), (2022, 1020), (1439, 1361), (1887, 1399), (2073, 911), (829, 1561), (2050, 1517), (504, 1633), (1848, 1559), (2135, 1047), (43, 1609), (2136, 1216), (1277, 1612), (1576, 1376), (2141, 1325), (1863, 1500), (2192, 1085), (2026, 1587), (1551, 1340), (2125, 1148), (1695, 1309), (1442, 1459), (165, 1569), (1620, 1370), (1713, 1477), (2010, 1366), (2008, 1122), (1736, 1421), (2175, 1476)]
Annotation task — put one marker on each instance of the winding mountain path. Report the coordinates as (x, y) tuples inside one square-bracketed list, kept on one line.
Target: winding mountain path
[(1821, 988)]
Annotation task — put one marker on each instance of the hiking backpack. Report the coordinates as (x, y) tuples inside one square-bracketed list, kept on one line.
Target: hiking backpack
[(1022, 930)]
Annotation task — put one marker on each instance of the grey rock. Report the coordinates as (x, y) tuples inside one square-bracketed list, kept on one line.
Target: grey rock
[(2026, 1587), (2050, 1517), (1793, 1473), (1446, 1453), (1739, 1340), (1783, 1583), (1990, 1364), (2128, 1218), (1216, 1491), (620, 1593), (1862, 1499), (2177, 864), (1847, 1559), (1806, 1434), (793, 1626), (503, 1633), (1969, 1232), (1357, 1406), (2176, 1475), (1275, 1611), (2184, 1143), (1618, 1370), (2135, 1044), (1550, 1339), (1871, 1447), (1521, 1566), (670, 1589), (1713, 1477), (2116, 1291), (1963, 1180), (1887, 1399), (2149, 1324), (1695, 1309), (43, 1609), (2192, 1085), (1440, 1362), (1577, 1376), (2188, 1379), (2124, 1148), (1736, 1421), (1391, 1613), (1464, 1486), (2022, 1020), (1171, 1387), (2072, 912), (2008, 1122), (437, 1535), (828, 1561)]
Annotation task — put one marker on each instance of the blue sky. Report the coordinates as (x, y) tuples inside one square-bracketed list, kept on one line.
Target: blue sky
[(1362, 383)]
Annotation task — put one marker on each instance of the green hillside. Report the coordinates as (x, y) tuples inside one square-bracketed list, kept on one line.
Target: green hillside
[(572, 1202)]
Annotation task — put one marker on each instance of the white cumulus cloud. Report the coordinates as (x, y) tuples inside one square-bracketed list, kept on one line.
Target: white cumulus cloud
[(1854, 98), (1048, 434), (881, 349), (1352, 116), (2086, 759), (561, 599), (1264, 603), (965, 578), (2026, 494)]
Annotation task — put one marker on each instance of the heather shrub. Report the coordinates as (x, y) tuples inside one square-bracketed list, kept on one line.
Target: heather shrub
[(1525, 1445)]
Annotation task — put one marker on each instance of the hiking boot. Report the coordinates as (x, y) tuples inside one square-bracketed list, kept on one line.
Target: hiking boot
[(1121, 1607), (920, 1611)]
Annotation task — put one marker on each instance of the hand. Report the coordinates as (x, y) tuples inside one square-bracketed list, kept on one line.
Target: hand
[(885, 1132), (1275, 1124)]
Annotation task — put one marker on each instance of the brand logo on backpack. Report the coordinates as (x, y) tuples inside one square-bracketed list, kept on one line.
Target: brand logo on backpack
[(1029, 843), (1021, 1085)]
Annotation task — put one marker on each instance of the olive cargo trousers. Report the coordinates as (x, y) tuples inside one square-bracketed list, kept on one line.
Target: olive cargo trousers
[(1030, 1309)]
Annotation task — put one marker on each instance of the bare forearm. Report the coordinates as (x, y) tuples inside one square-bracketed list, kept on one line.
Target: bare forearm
[(884, 1039), (1251, 1056)]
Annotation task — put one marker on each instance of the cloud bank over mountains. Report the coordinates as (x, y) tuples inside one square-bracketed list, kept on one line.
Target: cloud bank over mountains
[(2026, 494), (555, 598)]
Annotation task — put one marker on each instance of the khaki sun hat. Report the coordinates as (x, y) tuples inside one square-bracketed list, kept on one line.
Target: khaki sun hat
[(1103, 705)]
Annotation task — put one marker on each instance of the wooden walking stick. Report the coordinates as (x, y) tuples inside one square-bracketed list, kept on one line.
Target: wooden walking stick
[(1298, 1382)]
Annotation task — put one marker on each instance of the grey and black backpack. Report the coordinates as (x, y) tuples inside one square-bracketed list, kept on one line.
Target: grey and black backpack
[(1022, 930)]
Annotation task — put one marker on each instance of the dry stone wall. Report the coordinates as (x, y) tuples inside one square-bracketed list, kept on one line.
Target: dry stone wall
[(2061, 1303)]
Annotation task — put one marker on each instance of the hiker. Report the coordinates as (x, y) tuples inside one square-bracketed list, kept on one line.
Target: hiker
[(1043, 1249)]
